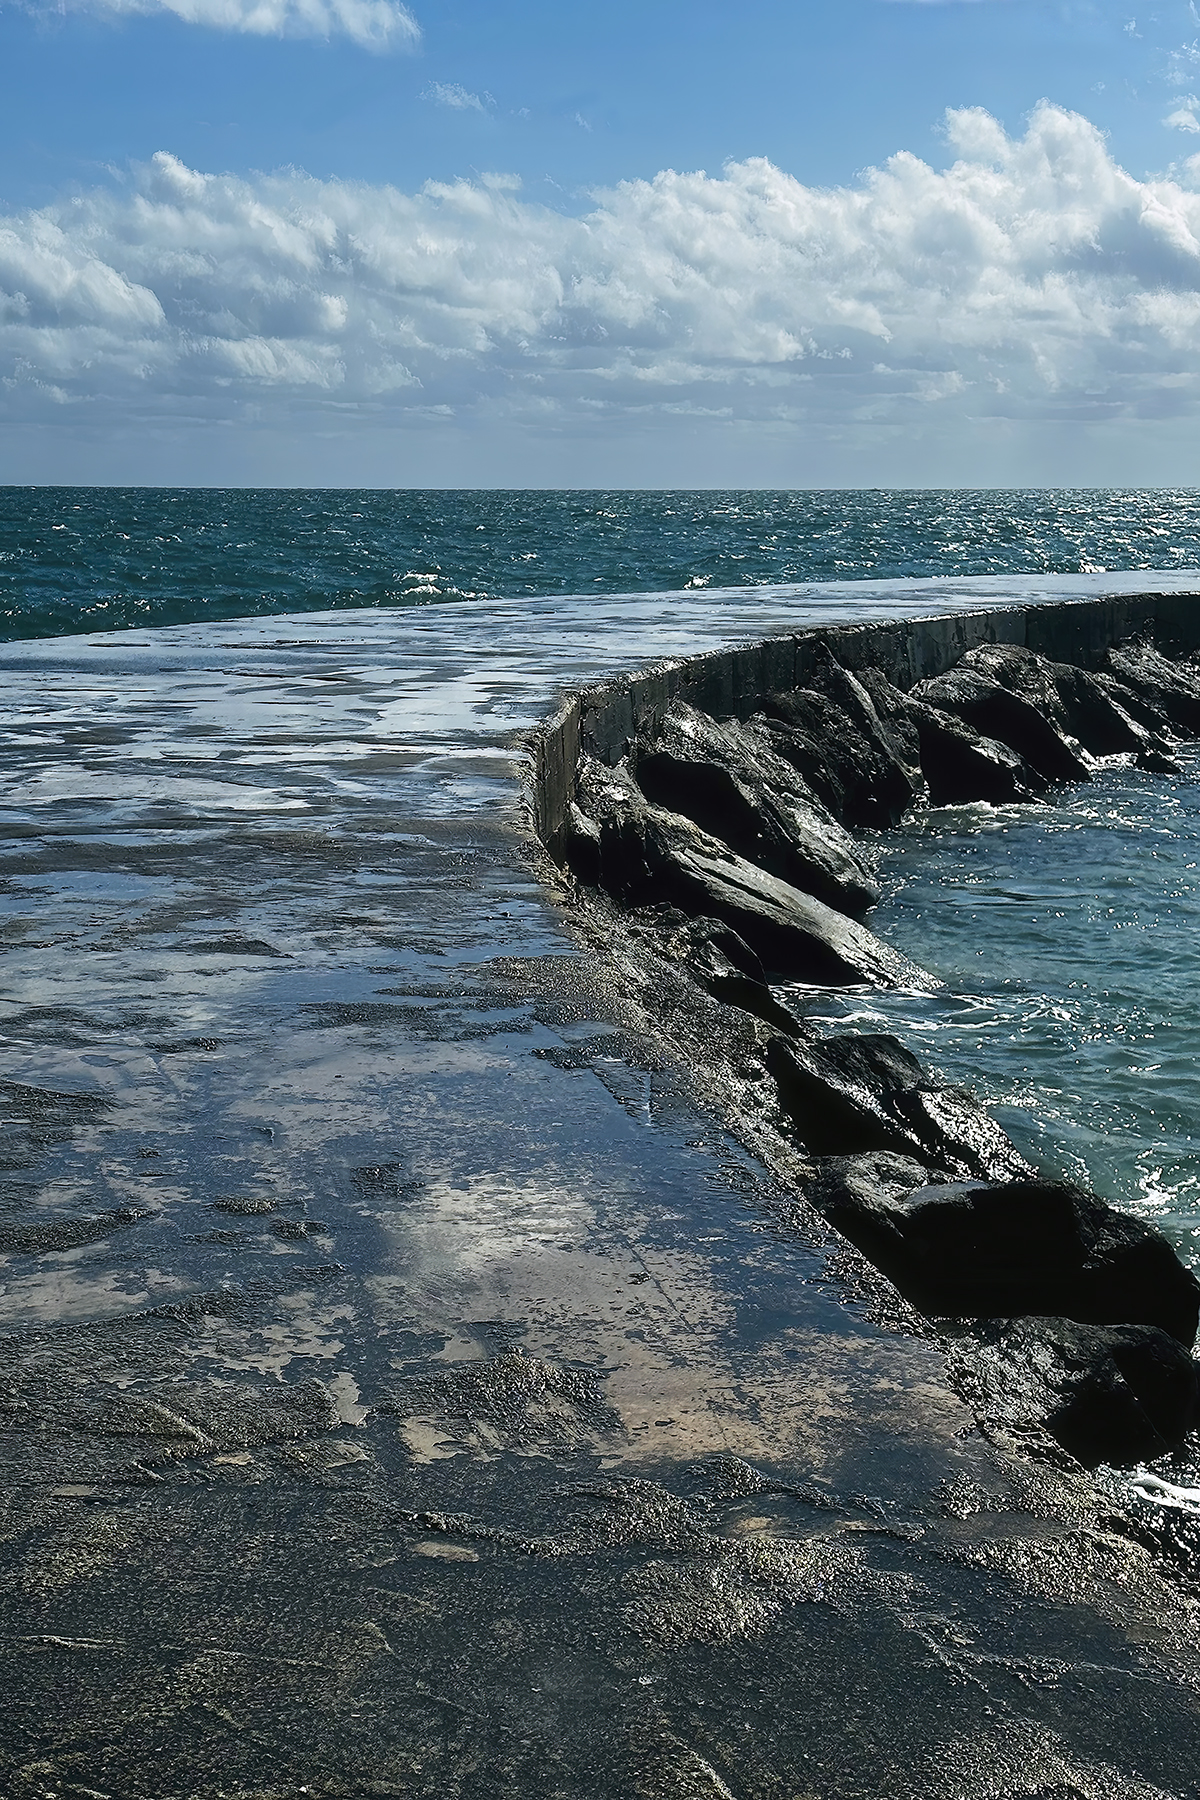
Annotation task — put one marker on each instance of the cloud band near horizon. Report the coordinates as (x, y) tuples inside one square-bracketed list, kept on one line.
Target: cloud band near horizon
[(1033, 279)]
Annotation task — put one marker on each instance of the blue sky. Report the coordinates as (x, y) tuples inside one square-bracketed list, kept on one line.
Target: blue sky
[(471, 242)]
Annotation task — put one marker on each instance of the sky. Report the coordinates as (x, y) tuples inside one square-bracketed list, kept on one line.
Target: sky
[(781, 244)]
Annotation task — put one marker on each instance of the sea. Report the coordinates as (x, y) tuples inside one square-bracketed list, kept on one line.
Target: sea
[(223, 704)]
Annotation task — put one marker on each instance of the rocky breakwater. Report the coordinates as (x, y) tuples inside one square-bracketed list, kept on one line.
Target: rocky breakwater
[(707, 822)]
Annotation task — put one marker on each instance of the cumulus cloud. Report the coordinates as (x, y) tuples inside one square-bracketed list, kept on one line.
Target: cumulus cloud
[(377, 25), (1033, 278)]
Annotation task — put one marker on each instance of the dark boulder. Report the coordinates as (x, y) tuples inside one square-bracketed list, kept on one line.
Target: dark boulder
[(1077, 703), (855, 694), (1172, 689), (1140, 710), (960, 766), (796, 936), (1108, 1393), (999, 1249), (839, 745), (866, 1092), (708, 945), (996, 712), (732, 782), (893, 752), (722, 963), (644, 855)]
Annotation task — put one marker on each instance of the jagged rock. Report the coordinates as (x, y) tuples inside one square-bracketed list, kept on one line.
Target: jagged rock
[(723, 964), (1079, 705), (967, 693), (646, 856), (866, 1092), (708, 945), (1171, 688), (1151, 718), (1107, 1393), (896, 722), (733, 784), (900, 784), (844, 755), (795, 935), (959, 764), (1002, 1249)]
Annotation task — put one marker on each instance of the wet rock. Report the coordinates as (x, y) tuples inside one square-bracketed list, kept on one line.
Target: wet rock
[(722, 963), (959, 764), (1080, 705), (899, 779), (896, 722), (732, 782), (1171, 688), (1007, 716), (988, 1249), (866, 1092), (796, 936), (1107, 1393), (836, 740), (646, 855), (709, 945), (581, 845)]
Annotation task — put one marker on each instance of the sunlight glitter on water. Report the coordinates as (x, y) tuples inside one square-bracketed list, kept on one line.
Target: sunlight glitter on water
[(1065, 935)]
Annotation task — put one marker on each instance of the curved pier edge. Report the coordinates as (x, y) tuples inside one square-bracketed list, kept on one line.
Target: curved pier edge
[(1089, 1356), (732, 683)]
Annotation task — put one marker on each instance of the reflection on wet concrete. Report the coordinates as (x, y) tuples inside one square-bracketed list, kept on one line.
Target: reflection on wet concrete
[(408, 1387)]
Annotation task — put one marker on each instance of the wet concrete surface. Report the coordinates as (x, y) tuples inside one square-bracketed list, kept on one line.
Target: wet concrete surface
[(409, 1386)]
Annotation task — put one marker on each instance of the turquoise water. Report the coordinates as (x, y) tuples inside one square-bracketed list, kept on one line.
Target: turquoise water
[(1066, 936), (83, 559)]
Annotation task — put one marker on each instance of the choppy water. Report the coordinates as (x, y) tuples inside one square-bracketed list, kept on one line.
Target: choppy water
[(1066, 935), (80, 559)]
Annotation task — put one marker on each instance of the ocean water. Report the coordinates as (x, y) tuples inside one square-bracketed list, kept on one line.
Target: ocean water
[(86, 559), (1065, 934)]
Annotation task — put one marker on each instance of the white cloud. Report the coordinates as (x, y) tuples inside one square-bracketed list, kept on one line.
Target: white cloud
[(1184, 117), (377, 25), (1033, 279), (449, 93)]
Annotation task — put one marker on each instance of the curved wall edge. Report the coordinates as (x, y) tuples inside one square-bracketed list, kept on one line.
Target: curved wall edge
[(733, 682)]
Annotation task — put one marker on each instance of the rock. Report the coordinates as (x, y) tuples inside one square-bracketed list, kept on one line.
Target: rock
[(866, 1092), (709, 945), (1000, 1249), (581, 845), (1172, 689), (723, 964), (648, 856), (796, 936), (1079, 704), (968, 694), (959, 764), (896, 722), (1107, 1393), (733, 784), (894, 753), (840, 747)]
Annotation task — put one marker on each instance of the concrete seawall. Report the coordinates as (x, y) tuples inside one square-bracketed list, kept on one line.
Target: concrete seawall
[(732, 683)]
